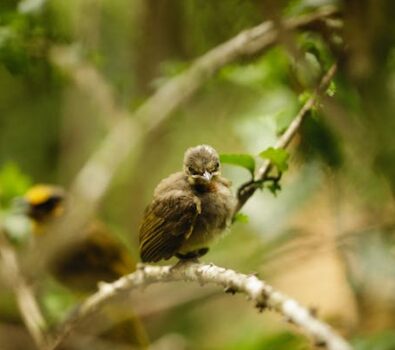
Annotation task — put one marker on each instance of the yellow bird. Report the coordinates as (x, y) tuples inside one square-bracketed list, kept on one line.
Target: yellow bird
[(98, 257)]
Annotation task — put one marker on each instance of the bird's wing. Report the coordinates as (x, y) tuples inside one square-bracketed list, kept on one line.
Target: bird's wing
[(168, 221), (99, 256)]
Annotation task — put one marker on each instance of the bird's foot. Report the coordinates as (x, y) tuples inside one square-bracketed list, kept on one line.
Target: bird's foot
[(183, 263), (193, 255)]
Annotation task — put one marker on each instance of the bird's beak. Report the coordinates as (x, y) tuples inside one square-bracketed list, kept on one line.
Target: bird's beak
[(207, 176)]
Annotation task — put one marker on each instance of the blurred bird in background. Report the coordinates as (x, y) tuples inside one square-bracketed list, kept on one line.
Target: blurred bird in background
[(99, 256), (189, 210)]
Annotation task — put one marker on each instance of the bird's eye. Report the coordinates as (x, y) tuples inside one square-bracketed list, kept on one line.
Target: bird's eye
[(215, 167), (192, 171)]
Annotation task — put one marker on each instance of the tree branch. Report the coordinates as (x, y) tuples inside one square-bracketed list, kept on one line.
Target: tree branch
[(247, 189), (27, 304), (260, 293)]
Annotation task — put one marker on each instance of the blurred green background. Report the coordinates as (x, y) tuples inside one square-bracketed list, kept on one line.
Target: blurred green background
[(327, 238)]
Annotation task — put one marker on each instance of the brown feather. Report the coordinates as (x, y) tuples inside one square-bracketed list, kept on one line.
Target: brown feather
[(168, 221)]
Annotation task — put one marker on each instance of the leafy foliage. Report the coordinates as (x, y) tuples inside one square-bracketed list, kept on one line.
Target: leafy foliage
[(240, 217), (274, 187), (277, 156), (244, 160), (312, 44), (331, 90), (318, 141), (22, 43)]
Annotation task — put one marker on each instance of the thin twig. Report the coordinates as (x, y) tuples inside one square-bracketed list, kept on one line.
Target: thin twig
[(260, 293), (247, 189), (27, 304)]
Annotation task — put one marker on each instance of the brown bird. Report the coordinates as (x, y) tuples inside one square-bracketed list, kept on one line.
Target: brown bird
[(189, 209), (98, 257)]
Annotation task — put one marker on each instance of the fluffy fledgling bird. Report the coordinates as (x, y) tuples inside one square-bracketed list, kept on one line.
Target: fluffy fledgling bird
[(99, 256), (189, 209)]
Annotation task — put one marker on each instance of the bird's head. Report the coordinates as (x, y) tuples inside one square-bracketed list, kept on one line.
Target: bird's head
[(44, 202), (201, 165)]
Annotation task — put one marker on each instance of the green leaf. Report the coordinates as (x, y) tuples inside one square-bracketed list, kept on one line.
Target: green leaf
[(331, 90), (277, 156), (244, 160), (243, 218), (274, 187)]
